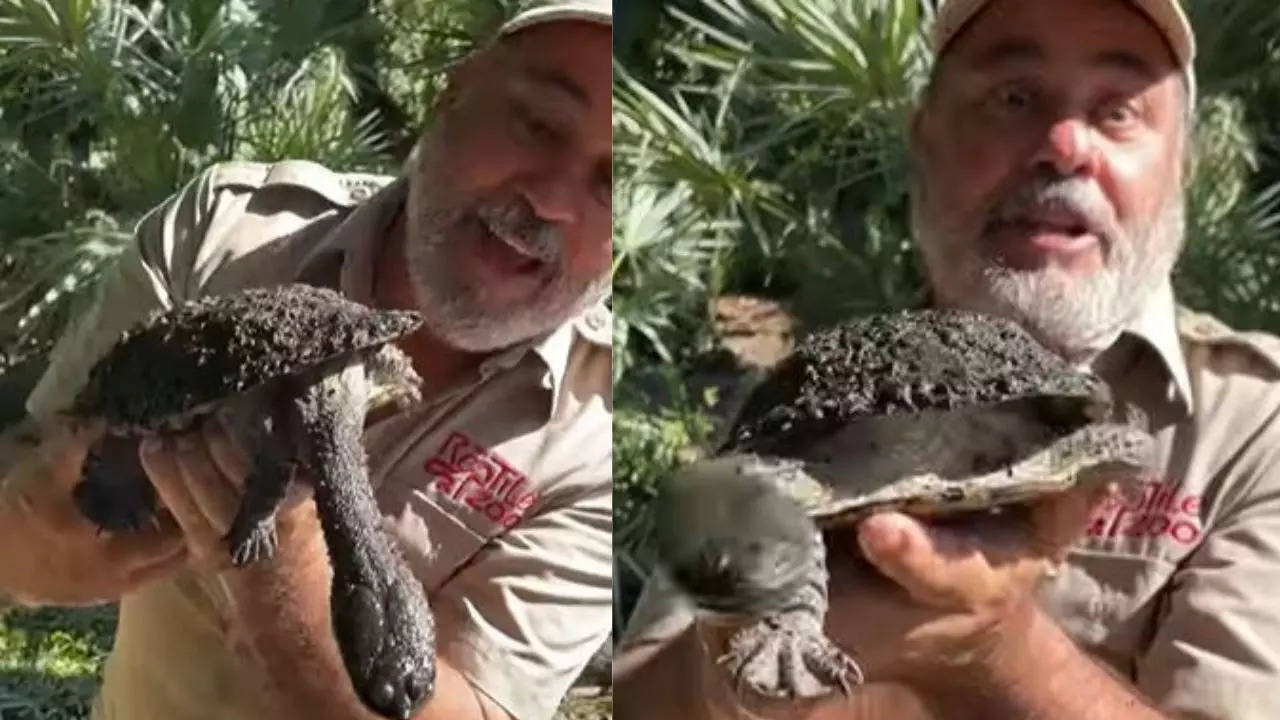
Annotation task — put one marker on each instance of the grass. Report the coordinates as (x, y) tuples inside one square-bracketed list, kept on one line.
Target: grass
[(51, 661), (51, 666)]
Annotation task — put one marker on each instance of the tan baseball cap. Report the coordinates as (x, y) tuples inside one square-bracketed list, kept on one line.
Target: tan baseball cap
[(544, 11), (1166, 15)]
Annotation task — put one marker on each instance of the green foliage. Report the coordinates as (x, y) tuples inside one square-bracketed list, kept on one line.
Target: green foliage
[(51, 660), (649, 443), (424, 39)]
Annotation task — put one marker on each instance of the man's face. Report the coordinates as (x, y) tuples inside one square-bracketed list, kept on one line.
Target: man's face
[(1048, 159), (507, 223)]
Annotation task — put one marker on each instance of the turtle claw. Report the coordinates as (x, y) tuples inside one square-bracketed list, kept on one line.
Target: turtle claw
[(251, 543), (778, 661)]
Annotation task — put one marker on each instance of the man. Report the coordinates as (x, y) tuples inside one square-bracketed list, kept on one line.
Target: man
[(1048, 172), (499, 234)]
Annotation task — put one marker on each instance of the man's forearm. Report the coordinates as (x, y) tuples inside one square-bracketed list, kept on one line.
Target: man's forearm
[(1038, 672), (282, 610)]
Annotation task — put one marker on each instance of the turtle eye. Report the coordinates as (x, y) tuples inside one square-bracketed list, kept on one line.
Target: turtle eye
[(1071, 412), (1099, 405)]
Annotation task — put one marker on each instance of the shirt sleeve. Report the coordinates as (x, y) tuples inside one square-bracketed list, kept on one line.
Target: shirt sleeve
[(1215, 650), (521, 620), (149, 275)]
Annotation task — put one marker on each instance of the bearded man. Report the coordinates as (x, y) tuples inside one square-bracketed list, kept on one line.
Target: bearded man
[(1048, 172), (498, 233)]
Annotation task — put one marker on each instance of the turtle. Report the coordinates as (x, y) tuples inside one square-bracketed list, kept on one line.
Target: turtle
[(931, 412), (291, 372)]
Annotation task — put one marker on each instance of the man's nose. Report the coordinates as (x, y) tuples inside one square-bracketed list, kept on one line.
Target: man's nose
[(1069, 147), (555, 193)]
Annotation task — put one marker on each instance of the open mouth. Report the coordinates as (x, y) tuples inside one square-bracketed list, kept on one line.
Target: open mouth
[(511, 253), (1048, 230), (532, 248)]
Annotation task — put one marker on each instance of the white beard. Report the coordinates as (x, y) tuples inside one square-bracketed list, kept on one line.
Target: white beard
[(1077, 316), (458, 313)]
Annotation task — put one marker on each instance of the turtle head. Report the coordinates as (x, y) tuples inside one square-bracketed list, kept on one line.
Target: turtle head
[(392, 379), (732, 536)]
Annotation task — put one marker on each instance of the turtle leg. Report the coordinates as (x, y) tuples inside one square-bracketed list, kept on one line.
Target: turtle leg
[(786, 654), (252, 536), (114, 492), (254, 421), (381, 620)]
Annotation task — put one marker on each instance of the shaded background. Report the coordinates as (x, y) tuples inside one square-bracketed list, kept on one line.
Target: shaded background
[(760, 192)]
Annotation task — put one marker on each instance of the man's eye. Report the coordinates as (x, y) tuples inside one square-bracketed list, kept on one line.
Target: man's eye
[(1118, 115), (535, 127), (1014, 97), (1011, 99)]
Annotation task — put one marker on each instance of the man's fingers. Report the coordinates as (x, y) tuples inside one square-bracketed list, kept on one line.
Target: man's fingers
[(950, 565), (213, 493), (149, 550), (161, 464), (1061, 519), (226, 454), (904, 550), (159, 567)]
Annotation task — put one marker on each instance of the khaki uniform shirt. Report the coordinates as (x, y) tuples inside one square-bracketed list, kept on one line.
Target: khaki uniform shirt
[(498, 492), (1180, 591)]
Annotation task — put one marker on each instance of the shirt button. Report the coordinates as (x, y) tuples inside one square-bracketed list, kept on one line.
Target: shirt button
[(359, 193), (595, 319)]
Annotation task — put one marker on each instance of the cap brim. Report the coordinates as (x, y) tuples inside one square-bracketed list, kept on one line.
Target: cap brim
[(1166, 15), (542, 15)]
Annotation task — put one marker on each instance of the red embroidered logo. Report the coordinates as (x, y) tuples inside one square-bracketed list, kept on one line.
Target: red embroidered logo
[(1159, 511), (469, 473)]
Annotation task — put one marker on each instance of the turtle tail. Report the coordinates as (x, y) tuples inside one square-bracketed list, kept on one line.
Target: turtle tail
[(381, 620)]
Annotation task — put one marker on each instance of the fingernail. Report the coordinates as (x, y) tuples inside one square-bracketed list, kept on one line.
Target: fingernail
[(151, 445), (878, 537)]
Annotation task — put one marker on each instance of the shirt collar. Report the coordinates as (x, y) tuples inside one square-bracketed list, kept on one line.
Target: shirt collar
[(355, 243), (1155, 326)]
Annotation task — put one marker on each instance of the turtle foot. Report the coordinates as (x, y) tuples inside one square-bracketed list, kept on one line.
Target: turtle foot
[(252, 541), (778, 660)]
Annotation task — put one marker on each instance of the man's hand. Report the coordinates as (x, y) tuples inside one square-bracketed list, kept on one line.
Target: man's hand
[(948, 593), (52, 553), (952, 615), (941, 617), (200, 478), (281, 605)]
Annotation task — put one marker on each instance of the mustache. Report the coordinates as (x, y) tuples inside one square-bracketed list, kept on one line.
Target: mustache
[(1054, 196), (515, 219)]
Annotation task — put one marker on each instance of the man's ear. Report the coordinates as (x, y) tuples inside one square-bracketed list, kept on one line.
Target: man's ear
[(459, 78), (449, 96)]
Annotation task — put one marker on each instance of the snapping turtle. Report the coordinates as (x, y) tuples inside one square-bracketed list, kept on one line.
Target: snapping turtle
[(291, 373), (928, 412)]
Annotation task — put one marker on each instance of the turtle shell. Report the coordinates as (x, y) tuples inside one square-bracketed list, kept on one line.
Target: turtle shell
[(178, 360), (906, 362)]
